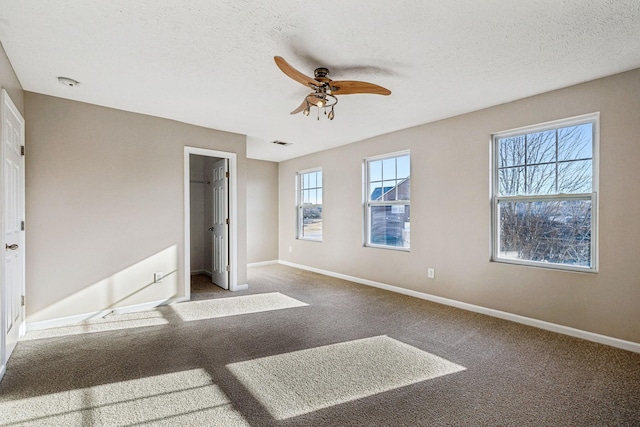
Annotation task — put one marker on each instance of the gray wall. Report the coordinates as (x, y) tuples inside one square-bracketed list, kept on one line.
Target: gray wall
[(450, 227), (262, 211), (105, 196), (207, 173), (197, 193)]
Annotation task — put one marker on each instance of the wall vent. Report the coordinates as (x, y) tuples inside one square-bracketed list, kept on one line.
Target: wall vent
[(281, 143)]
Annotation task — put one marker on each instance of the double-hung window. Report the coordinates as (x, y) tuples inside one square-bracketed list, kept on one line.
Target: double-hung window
[(388, 201), (544, 195), (309, 206)]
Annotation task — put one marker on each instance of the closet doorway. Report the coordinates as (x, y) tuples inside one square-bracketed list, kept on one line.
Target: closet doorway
[(210, 215)]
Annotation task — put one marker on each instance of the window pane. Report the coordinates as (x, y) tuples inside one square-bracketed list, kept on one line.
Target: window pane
[(389, 180), (575, 177), (511, 151), (546, 231), (511, 181), (541, 147), (310, 206), (404, 189), (541, 179), (397, 190), (375, 191), (390, 225), (389, 190), (389, 169), (375, 170), (575, 142), (403, 165), (312, 222)]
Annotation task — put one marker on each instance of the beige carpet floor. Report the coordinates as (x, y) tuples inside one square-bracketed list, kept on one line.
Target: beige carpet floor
[(202, 288), (302, 349)]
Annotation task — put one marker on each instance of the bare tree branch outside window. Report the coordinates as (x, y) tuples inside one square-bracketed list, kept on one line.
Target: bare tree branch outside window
[(543, 166)]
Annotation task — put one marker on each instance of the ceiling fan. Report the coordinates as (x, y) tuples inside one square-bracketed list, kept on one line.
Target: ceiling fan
[(324, 89)]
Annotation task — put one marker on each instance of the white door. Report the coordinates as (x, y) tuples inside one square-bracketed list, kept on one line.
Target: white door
[(220, 228), (13, 225)]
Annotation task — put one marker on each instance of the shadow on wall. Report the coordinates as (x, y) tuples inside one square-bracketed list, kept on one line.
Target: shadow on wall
[(133, 285)]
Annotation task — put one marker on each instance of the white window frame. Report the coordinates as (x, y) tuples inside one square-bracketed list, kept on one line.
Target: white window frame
[(367, 204), (300, 205), (496, 198)]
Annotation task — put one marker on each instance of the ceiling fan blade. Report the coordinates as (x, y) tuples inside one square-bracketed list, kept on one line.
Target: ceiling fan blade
[(348, 87), (301, 107), (296, 75)]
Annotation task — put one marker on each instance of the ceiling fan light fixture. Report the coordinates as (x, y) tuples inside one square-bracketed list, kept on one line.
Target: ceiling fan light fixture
[(306, 111), (331, 115)]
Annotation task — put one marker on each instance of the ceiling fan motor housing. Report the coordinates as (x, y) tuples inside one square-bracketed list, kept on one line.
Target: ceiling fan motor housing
[(321, 72)]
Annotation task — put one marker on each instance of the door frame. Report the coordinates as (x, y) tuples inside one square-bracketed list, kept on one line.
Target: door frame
[(233, 216), (7, 103)]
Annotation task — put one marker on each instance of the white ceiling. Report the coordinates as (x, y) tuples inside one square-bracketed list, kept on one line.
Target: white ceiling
[(210, 63)]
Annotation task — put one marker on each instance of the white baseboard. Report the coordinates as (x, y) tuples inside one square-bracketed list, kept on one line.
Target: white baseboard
[(242, 287), (70, 320), (541, 324), (67, 320), (203, 271), (261, 263)]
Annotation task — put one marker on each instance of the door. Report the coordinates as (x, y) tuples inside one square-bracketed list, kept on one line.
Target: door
[(13, 224), (220, 229)]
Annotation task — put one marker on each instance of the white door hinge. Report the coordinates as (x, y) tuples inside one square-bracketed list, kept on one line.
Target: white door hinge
[(22, 301)]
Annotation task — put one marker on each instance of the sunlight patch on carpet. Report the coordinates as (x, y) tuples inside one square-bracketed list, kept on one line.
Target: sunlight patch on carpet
[(304, 381), (179, 398), (234, 306), (108, 323)]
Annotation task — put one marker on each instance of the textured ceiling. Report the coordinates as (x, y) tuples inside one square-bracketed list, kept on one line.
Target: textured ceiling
[(211, 63)]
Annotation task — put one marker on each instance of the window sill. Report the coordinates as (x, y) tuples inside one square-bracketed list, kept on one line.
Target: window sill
[(307, 239), (547, 266), (392, 248)]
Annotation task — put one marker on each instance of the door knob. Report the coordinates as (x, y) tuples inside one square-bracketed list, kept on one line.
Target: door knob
[(11, 247), (210, 228)]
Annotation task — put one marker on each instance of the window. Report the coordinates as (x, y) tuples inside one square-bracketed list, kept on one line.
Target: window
[(310, 205), (544, 195), (387, 204)]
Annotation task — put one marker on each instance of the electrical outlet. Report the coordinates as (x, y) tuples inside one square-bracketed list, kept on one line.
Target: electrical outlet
[(290, 249), (431, 273), (157, 277)]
